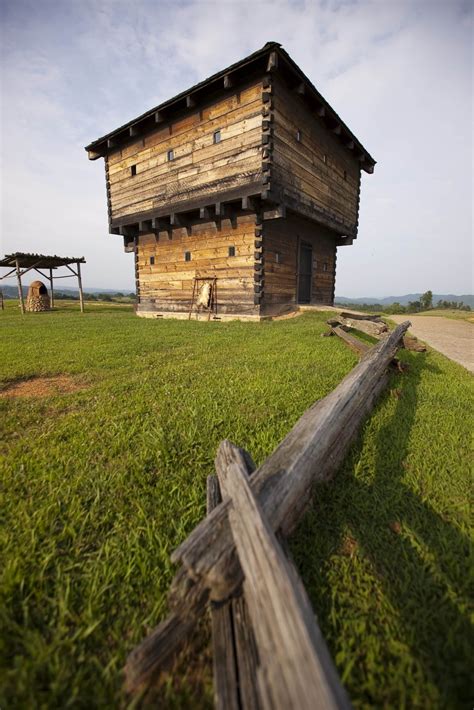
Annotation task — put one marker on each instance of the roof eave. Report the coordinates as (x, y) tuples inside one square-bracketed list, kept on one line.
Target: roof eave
[(99, 147)]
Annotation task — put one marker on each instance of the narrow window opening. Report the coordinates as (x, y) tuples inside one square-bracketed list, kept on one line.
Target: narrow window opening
[(231, 251), (325, 266), (170, 155), (187, 256), (152, 260), (217, 137), (345, 174), (278, 257), (133, 170), (298, 135), (325, 159)]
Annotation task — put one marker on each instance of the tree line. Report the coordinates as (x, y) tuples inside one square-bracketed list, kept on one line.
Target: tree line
[(425, 303)]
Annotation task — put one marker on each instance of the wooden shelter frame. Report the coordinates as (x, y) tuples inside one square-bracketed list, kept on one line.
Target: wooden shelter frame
[(20, 263)]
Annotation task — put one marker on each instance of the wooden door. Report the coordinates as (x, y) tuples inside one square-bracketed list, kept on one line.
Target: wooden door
[(305, 272)]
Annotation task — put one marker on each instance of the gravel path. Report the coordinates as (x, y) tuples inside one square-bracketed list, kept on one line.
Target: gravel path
[(453, 338)]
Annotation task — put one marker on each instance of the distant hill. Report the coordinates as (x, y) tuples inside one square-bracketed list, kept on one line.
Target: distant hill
[(467, 299), (12, 291)]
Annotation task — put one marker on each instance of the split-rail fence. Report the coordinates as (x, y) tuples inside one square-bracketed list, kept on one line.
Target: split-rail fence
[(268, 649)]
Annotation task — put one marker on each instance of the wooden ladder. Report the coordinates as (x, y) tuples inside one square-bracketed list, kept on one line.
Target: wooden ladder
[(212, 304)]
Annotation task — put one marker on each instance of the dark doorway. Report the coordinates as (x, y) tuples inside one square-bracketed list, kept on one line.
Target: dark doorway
[(305, 272)]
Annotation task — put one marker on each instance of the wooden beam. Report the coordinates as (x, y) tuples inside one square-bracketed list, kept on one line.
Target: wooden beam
[(296, 670), (354, 343), (228, 83), (51, 285), (249, 203), (129, 231), (159, 117), (321, 111), (93, 155), (133, 131), (205, 213), (337, 130), (160, 225), (300, 89), (79, 283), (224, 661), (20, 290), (111, 143), (190, 102), (272, 61), (145, 226), (179, 220), (277, 213), (220, 210)]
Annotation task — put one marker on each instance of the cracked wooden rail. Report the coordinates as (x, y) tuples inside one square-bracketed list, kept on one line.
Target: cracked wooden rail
[(311, 452)]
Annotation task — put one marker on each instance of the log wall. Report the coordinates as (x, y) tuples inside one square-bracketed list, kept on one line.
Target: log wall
[(167, 284), (200, 167), (310, 167), (282, 237)]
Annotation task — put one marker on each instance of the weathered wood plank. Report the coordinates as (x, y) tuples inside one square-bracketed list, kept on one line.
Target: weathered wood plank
[(362, 316), (375, 329), (310, 453), (244, 651), (224, 660), (354, 343), (297, 668)]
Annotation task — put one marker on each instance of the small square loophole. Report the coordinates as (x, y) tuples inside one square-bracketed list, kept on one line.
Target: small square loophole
[(231, 251), (152, 260), (216, 137), (133, 170), (187, 256), (170, 155)]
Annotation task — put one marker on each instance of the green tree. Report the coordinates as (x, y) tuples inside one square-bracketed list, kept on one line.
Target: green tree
[(426, 301)]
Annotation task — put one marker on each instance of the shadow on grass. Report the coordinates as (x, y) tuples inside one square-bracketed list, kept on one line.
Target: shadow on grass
[(418, 559)]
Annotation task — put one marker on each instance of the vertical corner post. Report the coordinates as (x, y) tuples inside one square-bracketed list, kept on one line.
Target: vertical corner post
[(20, 290), (79, 283), (51, 286)]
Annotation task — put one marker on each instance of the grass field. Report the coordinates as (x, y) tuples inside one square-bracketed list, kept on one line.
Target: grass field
[(452, 313), (100, 484)]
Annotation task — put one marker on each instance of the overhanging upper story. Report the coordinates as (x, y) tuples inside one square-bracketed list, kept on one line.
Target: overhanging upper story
[(255, 136)]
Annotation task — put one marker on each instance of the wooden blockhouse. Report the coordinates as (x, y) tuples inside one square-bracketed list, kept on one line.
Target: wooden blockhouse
[(249, 179)]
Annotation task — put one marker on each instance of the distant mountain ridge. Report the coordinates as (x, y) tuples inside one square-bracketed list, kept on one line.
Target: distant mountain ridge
[(12, 291), (467, 299)]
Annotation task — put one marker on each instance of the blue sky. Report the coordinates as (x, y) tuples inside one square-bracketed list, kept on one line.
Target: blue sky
[(398, 73)]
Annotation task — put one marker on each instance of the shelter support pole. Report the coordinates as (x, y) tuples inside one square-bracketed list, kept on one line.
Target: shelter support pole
[(52, 287), (79, 283), (20, 291)]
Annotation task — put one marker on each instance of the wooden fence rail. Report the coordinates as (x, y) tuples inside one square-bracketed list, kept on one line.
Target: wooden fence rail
[(295, 669), (310, 453)]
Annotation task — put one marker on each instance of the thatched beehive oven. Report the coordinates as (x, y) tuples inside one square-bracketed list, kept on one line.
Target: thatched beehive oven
[(38, 299)]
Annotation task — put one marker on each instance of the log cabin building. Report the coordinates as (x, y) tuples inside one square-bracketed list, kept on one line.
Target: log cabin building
[(249, 181)]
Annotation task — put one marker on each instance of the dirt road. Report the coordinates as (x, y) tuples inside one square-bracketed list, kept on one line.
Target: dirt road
[(453, 338)]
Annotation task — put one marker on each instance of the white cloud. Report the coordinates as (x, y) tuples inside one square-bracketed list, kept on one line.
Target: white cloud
[(399, 73)]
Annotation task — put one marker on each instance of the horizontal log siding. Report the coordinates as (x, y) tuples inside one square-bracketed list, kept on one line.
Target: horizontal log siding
[(200, 167), (167, 285), (283, 236), (299, 168)]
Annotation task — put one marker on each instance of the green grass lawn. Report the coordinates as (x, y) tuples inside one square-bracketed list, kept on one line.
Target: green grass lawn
[(101, 484)]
